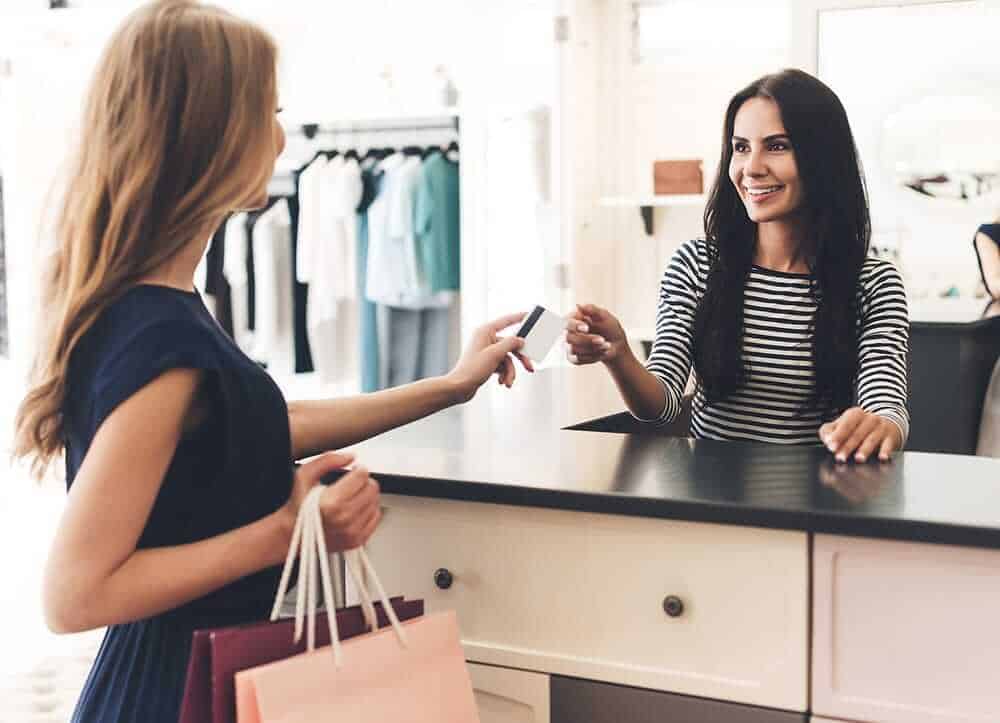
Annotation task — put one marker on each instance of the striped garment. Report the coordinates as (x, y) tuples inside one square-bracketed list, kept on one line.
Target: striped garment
[(772, 405)]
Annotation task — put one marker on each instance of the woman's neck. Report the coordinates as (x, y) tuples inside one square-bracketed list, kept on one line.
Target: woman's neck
[(179, 271), (779, 247)]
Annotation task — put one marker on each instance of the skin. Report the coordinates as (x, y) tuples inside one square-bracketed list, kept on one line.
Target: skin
[(96, 577), (763, 160)]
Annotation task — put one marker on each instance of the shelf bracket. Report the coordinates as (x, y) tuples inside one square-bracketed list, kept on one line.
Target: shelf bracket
[(647, 218)]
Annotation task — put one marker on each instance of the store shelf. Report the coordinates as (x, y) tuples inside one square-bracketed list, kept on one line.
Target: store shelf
[(661, 200), (646, 204)]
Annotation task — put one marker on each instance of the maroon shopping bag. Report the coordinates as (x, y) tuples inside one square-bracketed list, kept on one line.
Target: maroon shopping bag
[(217, 655)]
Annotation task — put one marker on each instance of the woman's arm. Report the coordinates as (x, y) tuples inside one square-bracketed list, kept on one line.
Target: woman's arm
[(95, 576), (653, 393), (988, 251), (880, 423), (336, 423)]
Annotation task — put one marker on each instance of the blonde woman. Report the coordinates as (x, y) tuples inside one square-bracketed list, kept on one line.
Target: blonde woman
[(178, 448), (987, 245)]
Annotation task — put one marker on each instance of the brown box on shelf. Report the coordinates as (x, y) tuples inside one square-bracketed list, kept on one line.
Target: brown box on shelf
[(677, 177)]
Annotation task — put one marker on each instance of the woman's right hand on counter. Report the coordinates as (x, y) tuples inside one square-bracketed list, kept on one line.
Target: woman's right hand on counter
[(350, 506), (594, 335)]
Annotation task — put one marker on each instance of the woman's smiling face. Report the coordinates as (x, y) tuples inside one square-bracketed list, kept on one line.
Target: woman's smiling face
[(763, 167)]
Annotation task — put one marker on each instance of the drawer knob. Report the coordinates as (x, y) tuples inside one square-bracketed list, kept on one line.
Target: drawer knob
[(443, 578), (673, 606)]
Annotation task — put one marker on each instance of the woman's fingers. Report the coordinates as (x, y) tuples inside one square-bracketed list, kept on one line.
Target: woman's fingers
[(870, 444), (525, 361), (887, 447), (586, 342), (865, 426)]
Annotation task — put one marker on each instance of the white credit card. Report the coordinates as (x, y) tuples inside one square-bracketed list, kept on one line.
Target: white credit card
[(540, 331)]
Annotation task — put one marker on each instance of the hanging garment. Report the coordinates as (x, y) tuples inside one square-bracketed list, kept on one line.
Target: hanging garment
[(235, 266), (416, 344), (327, 264), (274, 337), (300, 292), (394, 274), (438, 223), (216, 284), (248, 220), (371, 180)]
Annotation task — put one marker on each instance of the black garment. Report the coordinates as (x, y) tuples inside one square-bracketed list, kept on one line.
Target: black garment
[(990, 230), (251, 278), (231, 470), (216, 283), (300, 294)]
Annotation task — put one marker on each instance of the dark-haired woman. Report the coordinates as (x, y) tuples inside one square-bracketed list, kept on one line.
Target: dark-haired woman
[(795, 334)]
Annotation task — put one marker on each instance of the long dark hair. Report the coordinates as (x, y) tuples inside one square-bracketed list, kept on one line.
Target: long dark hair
[(835, 217)]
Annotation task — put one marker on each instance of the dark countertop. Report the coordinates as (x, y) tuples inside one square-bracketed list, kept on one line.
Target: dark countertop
[(954, 314), (509, 447)]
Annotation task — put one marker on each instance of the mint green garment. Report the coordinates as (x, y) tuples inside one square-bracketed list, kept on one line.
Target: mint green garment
[(437, 221)]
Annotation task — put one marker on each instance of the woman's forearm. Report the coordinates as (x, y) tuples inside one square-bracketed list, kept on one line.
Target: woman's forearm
[(320, 425), (643, 393), (154, 580)]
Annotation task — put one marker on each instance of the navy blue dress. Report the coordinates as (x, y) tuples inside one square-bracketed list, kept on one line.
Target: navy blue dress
[(233, 468)]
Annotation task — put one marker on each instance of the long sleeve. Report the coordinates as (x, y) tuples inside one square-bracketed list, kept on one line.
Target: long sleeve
[(883, 344), (680, 291)]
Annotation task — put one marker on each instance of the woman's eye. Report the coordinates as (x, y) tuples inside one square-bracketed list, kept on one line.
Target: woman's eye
[(779, 146), (740, 147), (279, 110)]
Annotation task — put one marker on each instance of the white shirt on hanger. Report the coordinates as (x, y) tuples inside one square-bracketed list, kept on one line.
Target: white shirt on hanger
[(332, 331), (310, 219), (274, 342)]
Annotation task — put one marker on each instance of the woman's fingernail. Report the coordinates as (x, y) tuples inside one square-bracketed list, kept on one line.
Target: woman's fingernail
[(841, 457), (582, 328), (859, 457), (574, 359)]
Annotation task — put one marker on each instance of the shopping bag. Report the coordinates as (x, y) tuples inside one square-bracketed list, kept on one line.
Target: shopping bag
[(218, 654), (412, 672)]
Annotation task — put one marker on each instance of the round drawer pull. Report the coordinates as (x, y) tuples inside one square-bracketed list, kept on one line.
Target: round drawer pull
[(673, 606), (443, 578)]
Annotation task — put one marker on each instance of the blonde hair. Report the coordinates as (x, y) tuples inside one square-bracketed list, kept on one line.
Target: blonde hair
[(182, 97)]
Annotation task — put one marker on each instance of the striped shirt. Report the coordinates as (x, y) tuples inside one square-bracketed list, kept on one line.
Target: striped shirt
[(772, 405)]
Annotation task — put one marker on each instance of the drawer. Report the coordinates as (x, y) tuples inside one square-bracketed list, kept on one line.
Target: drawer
[(504, 695), (582, 595), (905, 631), (579, 701)]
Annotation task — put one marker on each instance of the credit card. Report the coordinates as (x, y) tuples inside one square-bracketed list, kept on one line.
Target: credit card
[(540, 331)]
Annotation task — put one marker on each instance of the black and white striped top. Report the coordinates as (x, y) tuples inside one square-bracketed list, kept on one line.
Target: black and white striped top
[(772, 404)]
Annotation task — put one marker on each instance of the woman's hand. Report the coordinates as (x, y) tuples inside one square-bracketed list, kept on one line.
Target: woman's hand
[(861, 434), (350, 507), (594, 334), (486, 355)]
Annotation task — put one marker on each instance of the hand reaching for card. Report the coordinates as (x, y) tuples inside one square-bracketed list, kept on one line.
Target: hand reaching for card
[(488, 354)]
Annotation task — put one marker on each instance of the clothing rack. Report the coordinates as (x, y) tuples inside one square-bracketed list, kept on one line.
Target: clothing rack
[(311, 130)]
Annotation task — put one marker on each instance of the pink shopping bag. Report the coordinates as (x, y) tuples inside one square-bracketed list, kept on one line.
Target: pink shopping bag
[(412, 672)]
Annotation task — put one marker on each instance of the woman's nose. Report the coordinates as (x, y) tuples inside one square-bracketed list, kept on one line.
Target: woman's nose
[(755, 165)]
